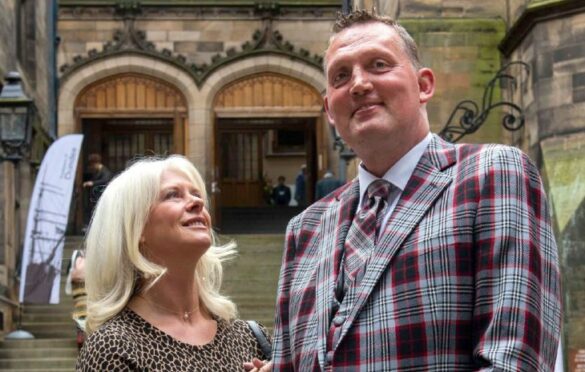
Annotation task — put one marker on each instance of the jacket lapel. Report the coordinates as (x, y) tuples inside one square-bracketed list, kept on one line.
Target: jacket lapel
[(423, 188), (335, 224)]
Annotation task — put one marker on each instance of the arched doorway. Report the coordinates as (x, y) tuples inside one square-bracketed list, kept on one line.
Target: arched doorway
[(266, 125), (126, 116)]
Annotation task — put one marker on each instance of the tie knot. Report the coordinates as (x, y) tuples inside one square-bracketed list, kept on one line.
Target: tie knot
[(379, 188)]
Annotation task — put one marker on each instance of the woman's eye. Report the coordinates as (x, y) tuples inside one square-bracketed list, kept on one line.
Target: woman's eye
[(171, 194)]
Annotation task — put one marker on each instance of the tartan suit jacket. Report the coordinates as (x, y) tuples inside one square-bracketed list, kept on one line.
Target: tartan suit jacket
[(465, 276)]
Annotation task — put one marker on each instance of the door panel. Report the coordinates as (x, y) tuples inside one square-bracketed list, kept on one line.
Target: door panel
[(127, 139), (241, 168)]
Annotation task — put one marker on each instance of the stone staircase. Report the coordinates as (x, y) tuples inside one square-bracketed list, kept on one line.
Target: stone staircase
[(54, 347), (250, 280)]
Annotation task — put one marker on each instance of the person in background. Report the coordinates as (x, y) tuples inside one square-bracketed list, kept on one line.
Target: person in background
[(75, 287), (300, 186), (98, 176), (153, 275), (437, 257), (326, 185), (281, 193)]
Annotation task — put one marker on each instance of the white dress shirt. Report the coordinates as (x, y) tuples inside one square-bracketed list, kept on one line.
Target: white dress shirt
[(398, 176)]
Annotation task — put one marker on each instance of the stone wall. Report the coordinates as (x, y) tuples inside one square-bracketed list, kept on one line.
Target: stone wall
[(7, 37), (463, 55), (16, 180), (554, 136), (7, 63)]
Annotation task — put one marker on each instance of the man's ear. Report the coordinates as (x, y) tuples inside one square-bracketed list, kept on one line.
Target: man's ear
[(326, 105), (426, 84)]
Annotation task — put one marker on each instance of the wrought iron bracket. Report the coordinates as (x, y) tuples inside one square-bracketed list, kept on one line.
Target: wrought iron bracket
[(468, 116)]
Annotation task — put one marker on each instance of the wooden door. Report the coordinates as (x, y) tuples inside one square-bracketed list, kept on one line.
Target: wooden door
[(240, 156), (119, 141), (124, 141)]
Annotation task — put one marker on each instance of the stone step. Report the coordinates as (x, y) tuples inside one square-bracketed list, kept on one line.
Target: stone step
[(61, 308), (38, 343), (40, 327), (47, 317), (64, 333), (45, 364), (39, 370), (54, 352)]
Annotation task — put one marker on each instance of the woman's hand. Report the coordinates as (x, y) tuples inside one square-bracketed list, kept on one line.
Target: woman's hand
[(257, 365)]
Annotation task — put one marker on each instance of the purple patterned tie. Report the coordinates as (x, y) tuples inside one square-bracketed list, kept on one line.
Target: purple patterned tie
[(363, 233), (375, 205)]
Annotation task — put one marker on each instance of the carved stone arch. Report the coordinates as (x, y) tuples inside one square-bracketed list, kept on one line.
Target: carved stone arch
[(129, 92), (73, 84), (268, 94), (260, 64), (252, 107)]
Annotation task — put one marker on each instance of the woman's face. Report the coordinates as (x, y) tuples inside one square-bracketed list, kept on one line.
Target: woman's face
[(178, 225)]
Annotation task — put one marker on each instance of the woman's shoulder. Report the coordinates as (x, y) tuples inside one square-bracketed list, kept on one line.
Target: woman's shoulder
[(241, 330), (243, 327), (110, 345)]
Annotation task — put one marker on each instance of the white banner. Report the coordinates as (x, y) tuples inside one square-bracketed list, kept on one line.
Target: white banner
[(47, 220)]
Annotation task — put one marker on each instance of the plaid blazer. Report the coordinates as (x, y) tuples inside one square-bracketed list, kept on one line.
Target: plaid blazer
[(465, 276)]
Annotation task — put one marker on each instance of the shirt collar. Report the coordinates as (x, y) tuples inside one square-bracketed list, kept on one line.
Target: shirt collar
[(399, 174)]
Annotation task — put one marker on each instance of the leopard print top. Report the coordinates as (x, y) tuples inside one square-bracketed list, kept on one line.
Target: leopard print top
[(129, 343)]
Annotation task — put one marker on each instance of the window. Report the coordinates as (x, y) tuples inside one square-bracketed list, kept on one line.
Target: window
[(287, 141)]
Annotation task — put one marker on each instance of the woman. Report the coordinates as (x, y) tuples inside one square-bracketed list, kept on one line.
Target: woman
[(153, 276), (75, 287)]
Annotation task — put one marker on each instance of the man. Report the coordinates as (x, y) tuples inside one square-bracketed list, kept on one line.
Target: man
[(457, 269), (326, 185), (300, 186), (99, 176), (281, 193)]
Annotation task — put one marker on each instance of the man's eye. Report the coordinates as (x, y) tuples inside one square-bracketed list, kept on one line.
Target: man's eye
[(340, 77), (380, 64)]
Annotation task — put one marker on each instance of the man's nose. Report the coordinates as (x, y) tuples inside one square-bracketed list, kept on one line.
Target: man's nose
[(360, 83)]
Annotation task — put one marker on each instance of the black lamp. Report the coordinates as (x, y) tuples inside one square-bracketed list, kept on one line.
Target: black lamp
[(15, 112)]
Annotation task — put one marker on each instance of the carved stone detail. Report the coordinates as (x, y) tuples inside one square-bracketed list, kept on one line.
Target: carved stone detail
[(131, 40)]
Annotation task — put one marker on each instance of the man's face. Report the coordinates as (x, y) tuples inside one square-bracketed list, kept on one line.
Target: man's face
[(374, 94)]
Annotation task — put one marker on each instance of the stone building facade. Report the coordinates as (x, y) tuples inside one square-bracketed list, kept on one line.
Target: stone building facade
[(270, 48), (236, 86), (550, 37), (27, 46)]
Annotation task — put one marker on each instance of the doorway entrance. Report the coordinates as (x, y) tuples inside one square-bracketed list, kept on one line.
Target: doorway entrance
[(251, 155), (124, 117), (267, 126)]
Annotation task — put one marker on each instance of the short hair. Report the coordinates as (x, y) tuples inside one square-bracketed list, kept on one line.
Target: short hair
[(115, 265), (94, 158), (359, 17)]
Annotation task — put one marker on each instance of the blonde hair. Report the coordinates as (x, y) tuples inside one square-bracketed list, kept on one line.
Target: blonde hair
[(114, 263)]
